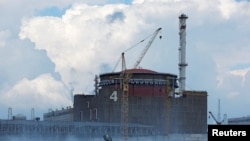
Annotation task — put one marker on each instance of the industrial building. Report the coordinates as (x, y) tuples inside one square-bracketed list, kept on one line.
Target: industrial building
[(128, 103), (151, 96), (65, 114), (240, 120)]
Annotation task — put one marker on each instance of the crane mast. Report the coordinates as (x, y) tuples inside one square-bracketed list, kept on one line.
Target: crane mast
[(126, 75), (124, 102)]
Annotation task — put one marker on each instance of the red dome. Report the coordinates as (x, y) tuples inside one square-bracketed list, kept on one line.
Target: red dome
[(140, 70)]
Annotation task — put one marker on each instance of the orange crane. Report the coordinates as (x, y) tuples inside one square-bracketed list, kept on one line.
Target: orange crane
[(126, 75)]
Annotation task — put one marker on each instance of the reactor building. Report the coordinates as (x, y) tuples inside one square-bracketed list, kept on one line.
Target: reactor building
[(152, 101)]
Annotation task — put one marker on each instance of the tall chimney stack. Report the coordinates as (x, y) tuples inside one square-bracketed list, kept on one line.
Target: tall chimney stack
[(182, 53)]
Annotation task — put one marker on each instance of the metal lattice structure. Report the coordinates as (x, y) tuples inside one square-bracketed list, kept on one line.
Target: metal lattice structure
[(126, 75)]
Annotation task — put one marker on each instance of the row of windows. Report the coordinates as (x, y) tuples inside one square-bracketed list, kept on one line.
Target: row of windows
[(50, 129), (140, 81)]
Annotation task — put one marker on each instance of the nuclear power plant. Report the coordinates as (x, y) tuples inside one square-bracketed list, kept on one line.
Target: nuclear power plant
[(127, 104)]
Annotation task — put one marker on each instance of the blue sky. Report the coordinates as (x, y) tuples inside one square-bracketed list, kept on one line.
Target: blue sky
[(58, 12), (51, 11), (48, 49)]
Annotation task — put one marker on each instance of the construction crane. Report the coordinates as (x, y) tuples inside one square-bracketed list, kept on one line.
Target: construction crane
[(218, 121), (126, 75), (147, 47)]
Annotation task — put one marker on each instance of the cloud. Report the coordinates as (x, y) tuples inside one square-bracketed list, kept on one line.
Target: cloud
[(88, 39), (41, 93), (44, 88)]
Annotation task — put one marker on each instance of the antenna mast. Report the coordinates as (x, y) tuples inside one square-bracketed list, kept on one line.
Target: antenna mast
[(219, 110)]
